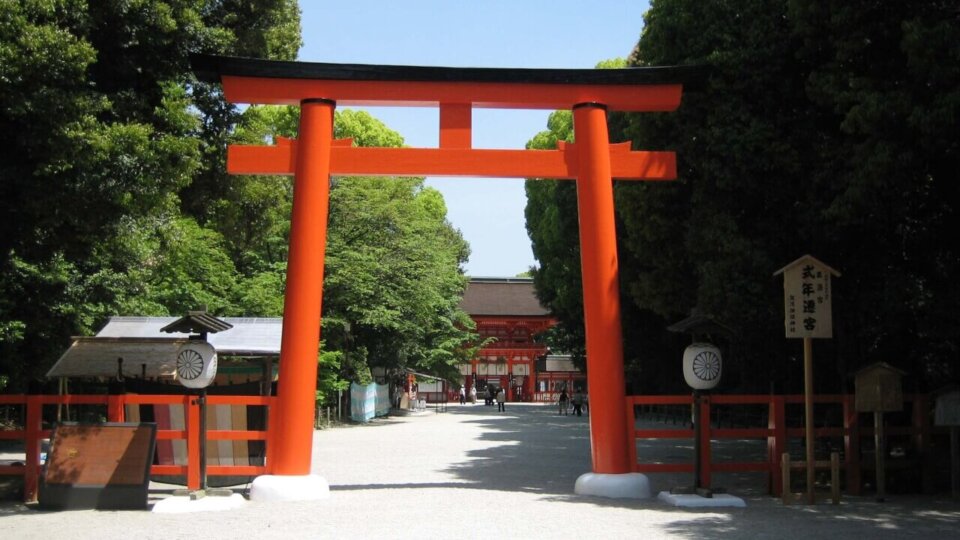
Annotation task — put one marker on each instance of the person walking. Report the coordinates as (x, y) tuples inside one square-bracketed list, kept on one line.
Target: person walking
[(501, 400), (564, 400), (463, 396), (577, 402)]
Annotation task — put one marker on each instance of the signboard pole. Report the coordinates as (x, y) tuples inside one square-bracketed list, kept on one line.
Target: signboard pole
[(808, 314), (879, 441), (808, 414)]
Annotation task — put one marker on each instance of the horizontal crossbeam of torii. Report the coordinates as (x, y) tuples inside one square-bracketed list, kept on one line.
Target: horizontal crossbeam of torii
[(347, 160), (592, 161)]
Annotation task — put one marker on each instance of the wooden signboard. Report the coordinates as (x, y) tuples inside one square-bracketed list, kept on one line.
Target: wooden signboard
[(807, 300), (879, 388), (807, 305), (104, 466)]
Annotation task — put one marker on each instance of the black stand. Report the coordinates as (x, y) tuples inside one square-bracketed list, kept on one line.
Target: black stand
[(204, 490), (697, 489)]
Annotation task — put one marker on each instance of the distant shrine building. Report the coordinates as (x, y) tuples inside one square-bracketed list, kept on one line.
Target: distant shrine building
[(509, 316)]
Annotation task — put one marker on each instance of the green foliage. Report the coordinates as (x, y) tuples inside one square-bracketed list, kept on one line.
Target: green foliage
[(364, 129), (393, 269), (117, 201), (823, 128), (329, 381), (393, 264), (552, 225), (104, 138)]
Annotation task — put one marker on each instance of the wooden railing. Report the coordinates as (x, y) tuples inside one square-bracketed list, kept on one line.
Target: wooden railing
[(34, 432), (777, 434)]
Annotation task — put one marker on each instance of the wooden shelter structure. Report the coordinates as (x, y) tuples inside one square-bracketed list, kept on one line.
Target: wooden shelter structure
[(138, 348)]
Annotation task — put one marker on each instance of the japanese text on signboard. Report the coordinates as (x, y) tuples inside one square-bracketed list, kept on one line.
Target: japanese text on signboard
[(806, 290)]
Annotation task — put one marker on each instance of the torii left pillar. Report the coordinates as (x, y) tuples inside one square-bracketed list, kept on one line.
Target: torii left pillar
[(291, 441)]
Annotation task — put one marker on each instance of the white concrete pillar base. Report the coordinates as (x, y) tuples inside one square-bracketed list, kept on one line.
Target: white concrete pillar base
[(289, 488), (614, 486)]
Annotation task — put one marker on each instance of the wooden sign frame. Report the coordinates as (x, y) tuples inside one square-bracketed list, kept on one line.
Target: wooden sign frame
[(102, 466)]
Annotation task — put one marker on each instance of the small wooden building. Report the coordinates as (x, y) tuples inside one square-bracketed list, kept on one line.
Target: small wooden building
[(879, 388)]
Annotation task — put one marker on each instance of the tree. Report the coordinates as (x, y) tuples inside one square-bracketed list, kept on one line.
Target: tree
[(102, 132), (551, 215), (811, 136), (393, 278), (394, 267), (713, 238), (822, 129)]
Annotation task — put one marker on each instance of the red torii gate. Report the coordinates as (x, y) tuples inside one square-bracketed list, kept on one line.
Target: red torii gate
[(315, 155)]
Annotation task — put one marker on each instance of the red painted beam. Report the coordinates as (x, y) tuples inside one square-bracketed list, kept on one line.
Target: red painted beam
[(455, 124), (347, 160)]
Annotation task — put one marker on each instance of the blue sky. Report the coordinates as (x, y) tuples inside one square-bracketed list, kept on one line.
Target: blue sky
[(474, 33)]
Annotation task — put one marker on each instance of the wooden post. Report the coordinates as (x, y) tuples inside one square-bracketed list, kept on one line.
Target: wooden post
[(631, 426), (273, 419), (955, 461), (115, 408), (300, 342), (703, 435), (851, 444), (880, 451), (192, 408), (777, 421), (808, 412), (835, 477), (697, 442), (787, 493), (601, 291), (31, 443), (202, 406), (921, 441)]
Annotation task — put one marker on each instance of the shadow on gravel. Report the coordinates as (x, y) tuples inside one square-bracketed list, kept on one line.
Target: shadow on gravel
[(541, 452), (536, 451), (914, 518)]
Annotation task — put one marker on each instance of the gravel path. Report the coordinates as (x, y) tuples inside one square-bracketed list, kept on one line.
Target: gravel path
[(475, 473)]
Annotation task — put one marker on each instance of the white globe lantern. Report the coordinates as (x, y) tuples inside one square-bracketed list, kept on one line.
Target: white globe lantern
[(196, 364), (702, 366)]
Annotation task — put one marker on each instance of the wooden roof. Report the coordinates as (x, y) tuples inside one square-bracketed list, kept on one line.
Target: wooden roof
[(143, 346), (210, 68), (503, 297), (197, 322)]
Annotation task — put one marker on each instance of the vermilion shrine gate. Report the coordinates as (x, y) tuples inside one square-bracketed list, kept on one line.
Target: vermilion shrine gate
[(592, 161)]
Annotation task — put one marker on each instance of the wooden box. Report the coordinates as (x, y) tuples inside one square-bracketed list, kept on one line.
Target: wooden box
[(879, 388)]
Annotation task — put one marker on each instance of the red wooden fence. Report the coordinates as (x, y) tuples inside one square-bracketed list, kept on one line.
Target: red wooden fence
[(34, 432), (776, 434)]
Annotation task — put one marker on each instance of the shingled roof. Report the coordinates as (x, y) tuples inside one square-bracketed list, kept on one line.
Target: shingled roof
[(506, 297), (146, 348)]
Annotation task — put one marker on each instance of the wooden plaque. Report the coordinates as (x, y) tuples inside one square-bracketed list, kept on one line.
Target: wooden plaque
[(98, 465)]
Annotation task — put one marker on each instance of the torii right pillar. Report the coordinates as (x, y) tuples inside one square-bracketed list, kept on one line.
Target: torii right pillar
[(612, 474)]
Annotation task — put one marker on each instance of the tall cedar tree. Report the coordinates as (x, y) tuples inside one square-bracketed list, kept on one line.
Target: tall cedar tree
[(824, 128)]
